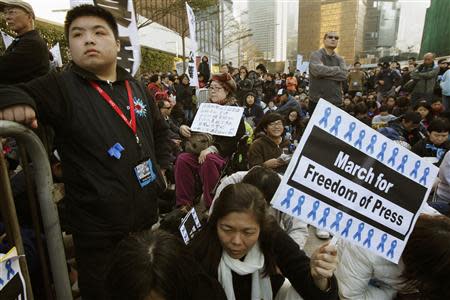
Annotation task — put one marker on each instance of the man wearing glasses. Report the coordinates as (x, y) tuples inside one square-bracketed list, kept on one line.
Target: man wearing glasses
[(327, 72), (27, 56)]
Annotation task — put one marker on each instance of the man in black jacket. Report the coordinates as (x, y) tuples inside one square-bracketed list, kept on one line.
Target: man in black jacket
[(110, 136), (27, 56)]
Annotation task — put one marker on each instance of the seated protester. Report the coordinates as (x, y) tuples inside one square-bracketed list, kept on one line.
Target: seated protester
[(201, 81), (404, 128), (383, 117), (271, 107), (437, 108), (423, 267), (267, 181), (252, 111), (360, 112), (257, 85), (401, 106), (424, 109), (391, 103), (293, 126), (442, 194), (155, 85), (251, 256), (347, 105), (210, 162), (244, 85), (269, 88), (372, 107), (174, 130), (285, 102), (265, 150), (437, 143), (157, 265), (291, 84)]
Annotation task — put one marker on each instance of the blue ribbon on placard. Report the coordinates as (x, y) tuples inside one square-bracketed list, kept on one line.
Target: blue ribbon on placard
[(298, 207), (349, 134), (1, 281), (313, 212), (335, 127), (9, 268), (426, 172), (415, 170), (323, 220), (360, 139), (394, 155), (401, 167), (324, 119), (373, 141), (369, 238), (380, 155), (391, 251), (287, 200), (357, 235), (382, 242), (116, 151), (347, 227), (336, 222)]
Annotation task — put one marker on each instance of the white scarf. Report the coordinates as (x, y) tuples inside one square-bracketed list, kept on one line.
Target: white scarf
[(252, 264)]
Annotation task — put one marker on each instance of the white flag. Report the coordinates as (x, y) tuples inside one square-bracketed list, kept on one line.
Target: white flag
[(7, 39), (56, 52), (192, 67)]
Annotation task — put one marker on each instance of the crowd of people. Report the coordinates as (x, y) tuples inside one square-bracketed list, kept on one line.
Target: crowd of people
[(132, 168)]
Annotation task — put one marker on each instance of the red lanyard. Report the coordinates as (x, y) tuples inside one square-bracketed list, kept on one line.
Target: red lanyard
[(131, 123)]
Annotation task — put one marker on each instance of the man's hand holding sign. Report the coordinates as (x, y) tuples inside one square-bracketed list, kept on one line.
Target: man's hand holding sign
[(348, 179)]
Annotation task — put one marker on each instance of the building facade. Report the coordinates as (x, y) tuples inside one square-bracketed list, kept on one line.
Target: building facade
[(436, 32)]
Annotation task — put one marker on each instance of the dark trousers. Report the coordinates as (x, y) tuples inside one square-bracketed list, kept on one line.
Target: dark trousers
[(94, 256)]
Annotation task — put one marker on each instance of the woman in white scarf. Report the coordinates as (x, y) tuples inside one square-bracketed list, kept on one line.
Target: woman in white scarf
[(250, 255)]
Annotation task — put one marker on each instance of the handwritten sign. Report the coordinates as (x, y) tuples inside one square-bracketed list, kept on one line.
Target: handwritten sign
[(352, 181), (12, 284), (217, 119)]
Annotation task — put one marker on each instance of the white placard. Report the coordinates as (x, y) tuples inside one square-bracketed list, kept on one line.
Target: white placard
[(12, 284), (192, 66), (217, 119), (7, 39), (350, 180), (304, 67), (129, 56), (56, 52), (299, 62)]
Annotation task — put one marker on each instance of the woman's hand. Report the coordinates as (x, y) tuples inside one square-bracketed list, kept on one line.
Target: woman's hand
[(273, 163), (202, 155), (185, 131), (324, 262)]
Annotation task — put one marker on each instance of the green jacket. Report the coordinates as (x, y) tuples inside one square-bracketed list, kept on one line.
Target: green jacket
[(425, 77)]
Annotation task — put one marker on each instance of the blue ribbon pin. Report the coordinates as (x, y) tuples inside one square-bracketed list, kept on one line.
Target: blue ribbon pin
[(323, 220), (116, 150), (349, 134), (394, 155), (337, 221), (313, 212), (369, 238), (9, 268), (324, 119), (382, 242), (298, 207), (347, 227), (391, 251), (426, 172), (380, 155), (401, 167), (373, 140), (415, 170), (335, 127), (358, 142), (287, 200), (357, 235)]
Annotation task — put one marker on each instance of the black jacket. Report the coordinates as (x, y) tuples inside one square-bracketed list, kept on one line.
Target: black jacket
[(25, 59), (103, 196)]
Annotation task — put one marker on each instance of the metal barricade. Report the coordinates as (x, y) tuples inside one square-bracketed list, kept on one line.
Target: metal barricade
[(50, 220)]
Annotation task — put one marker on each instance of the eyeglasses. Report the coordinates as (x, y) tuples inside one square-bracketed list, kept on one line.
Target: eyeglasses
[(332, 37), (276, 123)]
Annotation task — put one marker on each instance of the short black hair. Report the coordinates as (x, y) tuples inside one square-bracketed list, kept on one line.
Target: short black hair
[(87, 10), (412, 116), (154, 78), (357, 63), (262, 68), (439, 125)]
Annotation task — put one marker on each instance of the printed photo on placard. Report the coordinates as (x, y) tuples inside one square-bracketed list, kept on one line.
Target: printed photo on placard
[(354, 182), (12, 284), (190, 224)]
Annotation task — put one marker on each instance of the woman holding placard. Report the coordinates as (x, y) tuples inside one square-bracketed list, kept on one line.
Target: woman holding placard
[(209, 163), (251, 256)]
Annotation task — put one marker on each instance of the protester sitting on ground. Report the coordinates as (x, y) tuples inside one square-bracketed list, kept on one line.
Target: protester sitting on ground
[(401, 106), (436, 145), (360, 111), (252, 111), (285, 102), (442, 193), (437, 108), (424, 109), (293, 126), (383, 117), (157, 265), (391, 103), (209, 163), (266, 150), (269, 88), (243, 247), (155, 85), (424, 265), (267, 181), (404, 128)]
